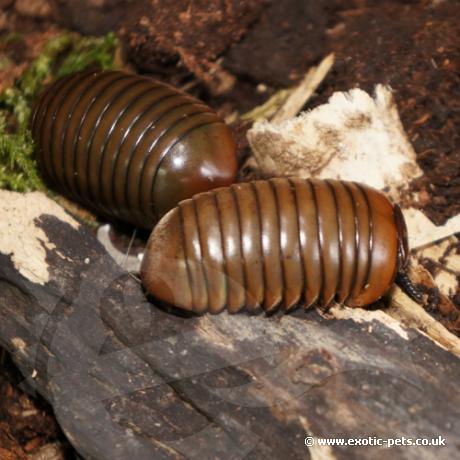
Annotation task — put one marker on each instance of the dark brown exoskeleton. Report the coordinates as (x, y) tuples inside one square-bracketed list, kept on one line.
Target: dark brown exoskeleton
[(277, 242), (129, 147)]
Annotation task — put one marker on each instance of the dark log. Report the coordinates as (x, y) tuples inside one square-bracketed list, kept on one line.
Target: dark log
[(130, 380)]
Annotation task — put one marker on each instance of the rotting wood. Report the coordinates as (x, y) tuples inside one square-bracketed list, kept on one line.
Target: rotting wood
[(128, 379)]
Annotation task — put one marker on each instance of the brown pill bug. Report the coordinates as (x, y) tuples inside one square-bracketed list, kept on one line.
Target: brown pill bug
[(277, 242), (129, 147)]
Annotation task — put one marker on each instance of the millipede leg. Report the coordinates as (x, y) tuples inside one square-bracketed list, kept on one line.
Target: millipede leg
[(406, 284)]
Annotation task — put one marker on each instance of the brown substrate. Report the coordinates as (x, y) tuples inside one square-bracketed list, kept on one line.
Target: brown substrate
[(27, 422)]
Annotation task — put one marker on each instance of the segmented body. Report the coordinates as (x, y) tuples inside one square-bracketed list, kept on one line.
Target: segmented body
[(129, 146), (277, 242)]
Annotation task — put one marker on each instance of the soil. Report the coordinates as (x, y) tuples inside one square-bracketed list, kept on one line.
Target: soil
[(27, 424), (414, 49), (234, 54), (177, 38)]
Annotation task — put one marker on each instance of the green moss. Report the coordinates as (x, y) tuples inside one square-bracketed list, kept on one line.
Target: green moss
[(18, 170), (90, 52), (34, 76), (62, 55)]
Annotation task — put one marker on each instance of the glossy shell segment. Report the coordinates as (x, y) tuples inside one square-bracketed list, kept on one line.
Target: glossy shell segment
[(284, 242), (128, 146)]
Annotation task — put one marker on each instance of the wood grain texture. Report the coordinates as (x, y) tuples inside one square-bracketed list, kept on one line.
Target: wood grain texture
[(130, 380)]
